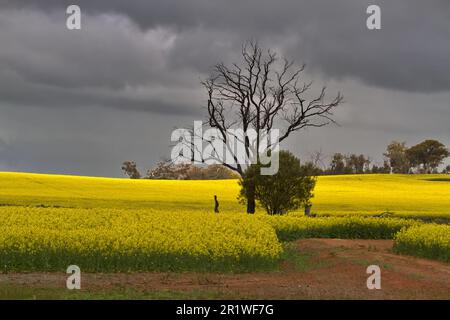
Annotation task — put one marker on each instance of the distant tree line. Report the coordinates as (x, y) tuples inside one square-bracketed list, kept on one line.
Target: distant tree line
[(169, 171), (424, 157)]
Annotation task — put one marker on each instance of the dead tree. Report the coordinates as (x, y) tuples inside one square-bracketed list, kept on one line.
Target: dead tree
[(262, 93), (317, 158)]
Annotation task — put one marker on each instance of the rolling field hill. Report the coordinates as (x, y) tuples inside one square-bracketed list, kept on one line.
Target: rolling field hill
[(405, 195), (49, 221)]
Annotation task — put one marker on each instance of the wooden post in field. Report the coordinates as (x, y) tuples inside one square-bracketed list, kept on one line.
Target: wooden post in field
[(216, 206), (307, 210)]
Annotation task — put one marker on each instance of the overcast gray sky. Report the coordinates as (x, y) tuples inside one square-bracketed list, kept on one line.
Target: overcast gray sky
[(83, 101)]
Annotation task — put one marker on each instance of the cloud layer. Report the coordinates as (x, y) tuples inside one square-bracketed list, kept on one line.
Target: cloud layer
[(143, 61)]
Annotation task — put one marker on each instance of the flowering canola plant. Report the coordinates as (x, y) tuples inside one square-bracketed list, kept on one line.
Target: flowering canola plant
[(426, 240), (369, 194), (48, 222), (119, 240)]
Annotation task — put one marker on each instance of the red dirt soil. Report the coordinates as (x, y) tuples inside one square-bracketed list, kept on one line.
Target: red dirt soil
[(332, 269)]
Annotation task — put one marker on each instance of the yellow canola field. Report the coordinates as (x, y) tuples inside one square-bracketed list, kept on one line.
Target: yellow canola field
[(426, 240), (117, 240), (405, 195), (48, 222)]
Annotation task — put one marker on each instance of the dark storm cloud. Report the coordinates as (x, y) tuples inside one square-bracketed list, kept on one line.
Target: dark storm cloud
[(83, 101), (35, 95), (410, 53), (113, 65)]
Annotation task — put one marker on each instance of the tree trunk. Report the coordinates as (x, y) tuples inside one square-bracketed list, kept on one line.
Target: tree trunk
[(251, 199)]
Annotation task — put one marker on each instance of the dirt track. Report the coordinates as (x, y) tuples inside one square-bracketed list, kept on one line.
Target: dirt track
[(329, 269)]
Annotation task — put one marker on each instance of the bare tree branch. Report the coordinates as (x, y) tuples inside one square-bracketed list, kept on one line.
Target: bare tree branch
[(263, 93)]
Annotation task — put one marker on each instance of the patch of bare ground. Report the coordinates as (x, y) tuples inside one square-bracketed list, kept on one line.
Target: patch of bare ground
[(335, 269)]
